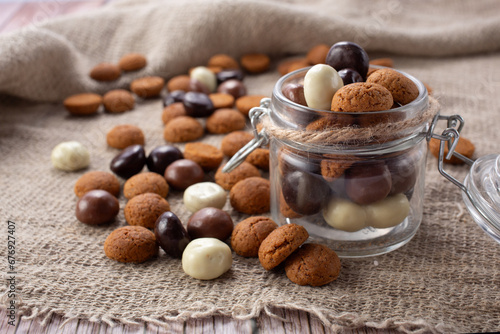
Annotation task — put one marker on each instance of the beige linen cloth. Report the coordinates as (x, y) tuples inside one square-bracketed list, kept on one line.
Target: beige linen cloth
[(446, 279)]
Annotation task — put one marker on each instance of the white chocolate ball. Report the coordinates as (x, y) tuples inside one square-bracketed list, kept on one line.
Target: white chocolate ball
[(204, 194), (320, 84), (206, 258), (344, 215), (70, 156), (205, 76), (388, 212)]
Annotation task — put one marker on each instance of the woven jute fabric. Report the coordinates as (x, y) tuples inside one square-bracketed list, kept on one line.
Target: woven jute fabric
[(445, 279)]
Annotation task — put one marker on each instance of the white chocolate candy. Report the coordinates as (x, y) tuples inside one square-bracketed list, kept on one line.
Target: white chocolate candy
[(344, 215), (205, 76), (204, 194), (320, 84), (70, 156), (388, 212), (206, 258)]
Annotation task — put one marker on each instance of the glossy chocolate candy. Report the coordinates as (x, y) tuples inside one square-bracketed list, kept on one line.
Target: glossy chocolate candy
[(161, 157), (366, 183), (173, 97), (295, 93), (229, 75), (305, 193), (97, 207), (183, 172), (129, 162), (210, 223), (233, 87), (348, 55), (350, 76), (171, 234), (198, 104)]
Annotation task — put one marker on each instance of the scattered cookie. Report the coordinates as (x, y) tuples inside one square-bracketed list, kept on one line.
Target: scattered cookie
[(259, 158), (248, 235), (247, 102), (222, 100), (207, 156), (334, 166), (83, 104), (142, 183), (280, 244), (172, 111), (402, 88), (105, 72), (144, 209), (361, 97), (225, 120), (179, 82), (182, 129), (242, 171), (134, 244), (132, 62), (223, 61), (255, 62), (251, 196), (464, 147), (97, 180), (122, 136), (234, 141), (147, 87), (118, 100), (313, 264), (317, 54)]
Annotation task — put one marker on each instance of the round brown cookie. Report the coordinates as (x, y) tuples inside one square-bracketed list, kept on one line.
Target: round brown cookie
[(124, 135), (251, 195), (371, 70), (221, 100), (172, 111), (286, 210), (215, 69), (132, 62), (225, 120), (105, 72), (255, 62), (259, 158), (134, 244), (144, 209), (284, 65), (249, 234), (313, 264), (234, 141), (179, 82), (118, 100), (223, 61), (145, 183), (317, 54), (280, 243), (228, 180), (464, 147), (361, 97), (83, 104), (247, 102), (147, 86), (182, 129), (207, 156), (97, 180), (387, 62), (402, 88), (334, 166)]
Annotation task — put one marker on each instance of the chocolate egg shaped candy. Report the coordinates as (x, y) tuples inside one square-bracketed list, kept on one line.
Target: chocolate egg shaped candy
[(348, 55), (368, 183), (129, 162), (304, 193), (171, 234)]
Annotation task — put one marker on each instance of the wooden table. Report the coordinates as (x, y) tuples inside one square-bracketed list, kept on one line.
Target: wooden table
[(17, 14)]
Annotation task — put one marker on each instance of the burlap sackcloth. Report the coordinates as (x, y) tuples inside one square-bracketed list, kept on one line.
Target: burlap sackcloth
[(445, 280)]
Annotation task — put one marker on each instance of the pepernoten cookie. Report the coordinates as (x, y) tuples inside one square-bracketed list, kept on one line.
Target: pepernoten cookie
[(83, 104), (207, 156), (361, 97), (124, 135), (312, 264), (134, 244), (97, 180), (251, 196), (280, 244), (248, 235), (234, 141), (225, 120), (242, 171), (183, 129), (145, 183), (144, 209), (402, 88)]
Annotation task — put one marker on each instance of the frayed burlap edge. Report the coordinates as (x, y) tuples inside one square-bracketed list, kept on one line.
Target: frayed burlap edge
[(335, 322)]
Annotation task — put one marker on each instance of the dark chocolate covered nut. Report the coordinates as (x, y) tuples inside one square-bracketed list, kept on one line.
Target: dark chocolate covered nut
[(97, 207), (161, 157), (368, 183), (233, 87), (348, 55), (210, 223), (295, 93), (129, 162), (173, 97), (182, 173), (171, 234), (198, 104), (305, 193)]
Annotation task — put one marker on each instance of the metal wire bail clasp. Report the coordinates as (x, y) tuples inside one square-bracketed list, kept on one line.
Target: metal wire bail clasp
[(260, 137)]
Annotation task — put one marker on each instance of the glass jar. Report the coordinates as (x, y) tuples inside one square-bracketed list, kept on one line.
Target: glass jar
[(355, 181)]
